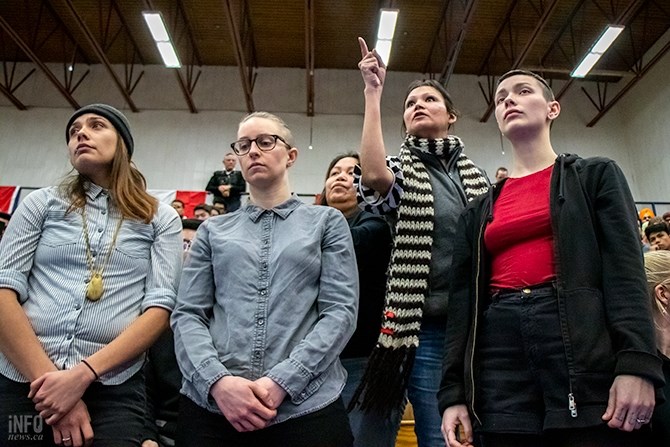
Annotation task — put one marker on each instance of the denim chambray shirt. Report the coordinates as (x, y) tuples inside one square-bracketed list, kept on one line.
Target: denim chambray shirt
[(43, 259), (268, 293)]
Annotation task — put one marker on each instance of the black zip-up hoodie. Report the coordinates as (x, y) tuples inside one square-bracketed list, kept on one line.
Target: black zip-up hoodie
[(604, 308)]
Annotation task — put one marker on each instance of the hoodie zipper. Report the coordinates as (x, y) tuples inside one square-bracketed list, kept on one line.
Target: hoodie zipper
[(476, 310), (572, 403)]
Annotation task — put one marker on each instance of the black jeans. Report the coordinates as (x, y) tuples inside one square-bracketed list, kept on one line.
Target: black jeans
[(117, 414), (328, 427), (522, 385)]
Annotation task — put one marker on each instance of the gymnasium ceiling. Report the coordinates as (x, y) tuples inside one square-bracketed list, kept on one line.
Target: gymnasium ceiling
[(436, 37)]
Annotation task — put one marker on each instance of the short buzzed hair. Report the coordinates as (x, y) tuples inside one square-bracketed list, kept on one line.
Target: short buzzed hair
[(547, 92)]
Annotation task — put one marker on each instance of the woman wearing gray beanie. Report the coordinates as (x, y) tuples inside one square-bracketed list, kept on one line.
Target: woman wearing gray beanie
[(87, 284)]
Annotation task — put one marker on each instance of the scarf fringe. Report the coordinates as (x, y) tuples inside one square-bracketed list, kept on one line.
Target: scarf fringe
[(383, 388)]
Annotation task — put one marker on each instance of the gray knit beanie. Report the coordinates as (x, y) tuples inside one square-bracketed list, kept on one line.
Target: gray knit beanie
[(118, 120)]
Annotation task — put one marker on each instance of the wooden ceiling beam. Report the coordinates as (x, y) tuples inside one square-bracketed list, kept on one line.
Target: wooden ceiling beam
[(521, 56), (630, 85), (14, 100), (239, 56), (42, 66), (101, 55), (450, 63)]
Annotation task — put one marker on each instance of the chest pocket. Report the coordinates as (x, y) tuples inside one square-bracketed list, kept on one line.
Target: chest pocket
[(60, 229), (135, 240)]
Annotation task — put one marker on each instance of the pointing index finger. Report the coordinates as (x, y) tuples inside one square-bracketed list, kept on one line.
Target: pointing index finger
[(364, 47)]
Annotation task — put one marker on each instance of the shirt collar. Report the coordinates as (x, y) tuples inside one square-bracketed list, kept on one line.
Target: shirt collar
[(282, 210), (94, 191)]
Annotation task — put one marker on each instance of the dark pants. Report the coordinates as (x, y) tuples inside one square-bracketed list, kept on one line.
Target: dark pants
[(522, 380), (328, 427), (117, 414)]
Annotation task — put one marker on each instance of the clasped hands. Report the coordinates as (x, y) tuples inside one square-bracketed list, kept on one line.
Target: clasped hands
[(225, 190), (248, 405), (57, 397)]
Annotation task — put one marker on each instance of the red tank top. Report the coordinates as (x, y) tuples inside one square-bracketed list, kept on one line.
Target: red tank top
[(519, 239)]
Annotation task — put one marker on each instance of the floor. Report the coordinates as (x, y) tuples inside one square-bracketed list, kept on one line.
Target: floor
[(406, 436)]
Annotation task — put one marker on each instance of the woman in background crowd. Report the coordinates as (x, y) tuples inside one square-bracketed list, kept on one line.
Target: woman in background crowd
[(372, 243), (88, 278)]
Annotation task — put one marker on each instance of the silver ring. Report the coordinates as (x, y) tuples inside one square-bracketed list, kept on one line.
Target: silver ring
[(642, 421), (66, 439)]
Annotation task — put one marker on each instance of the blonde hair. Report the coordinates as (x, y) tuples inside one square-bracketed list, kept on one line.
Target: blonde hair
[(288, 135), (128, 188), (657, 268)]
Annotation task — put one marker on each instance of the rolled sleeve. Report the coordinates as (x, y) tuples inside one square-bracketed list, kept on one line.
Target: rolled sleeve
[(17, 249), (371, 200), (166, 256)]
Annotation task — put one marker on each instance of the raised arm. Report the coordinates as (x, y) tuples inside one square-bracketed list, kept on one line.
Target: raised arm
[(375, 174)]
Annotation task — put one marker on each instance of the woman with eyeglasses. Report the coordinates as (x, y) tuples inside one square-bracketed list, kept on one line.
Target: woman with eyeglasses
[(267, 301), (88, 278)]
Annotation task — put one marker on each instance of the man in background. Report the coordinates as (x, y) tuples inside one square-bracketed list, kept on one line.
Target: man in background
[(228, 185), (658, 236), (501, 173)]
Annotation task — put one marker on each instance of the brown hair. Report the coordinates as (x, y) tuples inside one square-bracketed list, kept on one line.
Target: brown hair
[(128, 188)]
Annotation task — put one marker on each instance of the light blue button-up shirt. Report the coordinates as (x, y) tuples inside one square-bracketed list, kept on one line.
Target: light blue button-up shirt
[(43, 259), (268, 293)]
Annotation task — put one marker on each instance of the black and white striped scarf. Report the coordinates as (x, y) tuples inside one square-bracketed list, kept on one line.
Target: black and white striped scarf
[(386, 377)]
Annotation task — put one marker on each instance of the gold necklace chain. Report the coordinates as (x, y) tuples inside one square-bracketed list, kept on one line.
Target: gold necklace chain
[(95, 288)]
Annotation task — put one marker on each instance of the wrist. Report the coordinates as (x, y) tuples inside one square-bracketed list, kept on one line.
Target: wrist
[(87, 371)]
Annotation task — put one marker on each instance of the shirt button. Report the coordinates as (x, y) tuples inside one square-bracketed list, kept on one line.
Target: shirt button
[(69, 336), (77, 306), (94, 253), (104, 212), (260, 322), (99, 230), (263, 292), (257, 354)]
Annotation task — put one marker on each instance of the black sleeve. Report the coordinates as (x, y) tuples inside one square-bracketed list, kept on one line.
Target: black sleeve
[(459, 316), (238, 185), (213, 185)]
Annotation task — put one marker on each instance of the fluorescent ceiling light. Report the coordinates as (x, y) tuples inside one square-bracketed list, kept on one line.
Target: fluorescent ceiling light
[(608, 37), (383, 48), (168, 54), (602, 44), (162, 38), (156, 26), (387, 21)]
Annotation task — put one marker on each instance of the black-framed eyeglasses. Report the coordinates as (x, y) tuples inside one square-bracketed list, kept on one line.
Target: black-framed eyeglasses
[(264, 142)]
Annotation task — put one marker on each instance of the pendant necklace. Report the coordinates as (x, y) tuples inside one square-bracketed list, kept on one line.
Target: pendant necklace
[(95, 288)]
